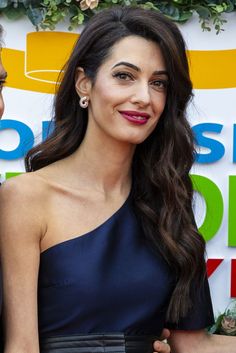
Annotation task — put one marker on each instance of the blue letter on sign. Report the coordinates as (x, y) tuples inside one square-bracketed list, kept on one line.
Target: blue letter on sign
[(216, 147), (234, 145), (26, 139), (48, 127)]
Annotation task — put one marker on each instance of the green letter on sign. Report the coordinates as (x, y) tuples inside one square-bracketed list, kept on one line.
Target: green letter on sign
[(214, 205), (232, 211)]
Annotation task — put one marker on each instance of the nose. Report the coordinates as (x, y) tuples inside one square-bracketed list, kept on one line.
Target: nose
[(141, 94)]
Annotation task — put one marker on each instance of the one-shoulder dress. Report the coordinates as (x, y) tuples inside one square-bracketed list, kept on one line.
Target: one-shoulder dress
[(107, 291)]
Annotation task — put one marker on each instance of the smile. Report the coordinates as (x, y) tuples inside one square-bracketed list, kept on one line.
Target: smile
[(138, 118)]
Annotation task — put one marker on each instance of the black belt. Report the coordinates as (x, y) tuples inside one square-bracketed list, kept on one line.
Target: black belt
[(97, 343)]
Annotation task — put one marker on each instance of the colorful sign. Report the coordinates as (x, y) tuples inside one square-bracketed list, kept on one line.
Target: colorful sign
[(34, 60)]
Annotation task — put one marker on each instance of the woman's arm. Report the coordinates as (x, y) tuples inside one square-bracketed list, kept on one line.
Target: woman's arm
[(200, 342), (20, 230)]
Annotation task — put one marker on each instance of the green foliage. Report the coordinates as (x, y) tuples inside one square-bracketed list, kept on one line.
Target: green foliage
[(225, 323), (45, 14)]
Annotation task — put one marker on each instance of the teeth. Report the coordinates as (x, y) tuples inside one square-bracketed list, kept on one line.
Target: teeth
[(139, 117)]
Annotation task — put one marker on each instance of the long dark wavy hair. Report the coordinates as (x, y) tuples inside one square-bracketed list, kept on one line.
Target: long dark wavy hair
[(162, 189)]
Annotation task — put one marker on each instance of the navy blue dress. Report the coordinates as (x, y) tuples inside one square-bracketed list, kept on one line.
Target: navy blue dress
[(109, 282)]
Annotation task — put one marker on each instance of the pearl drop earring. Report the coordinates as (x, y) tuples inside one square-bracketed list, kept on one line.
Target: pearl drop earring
[(84, 101)]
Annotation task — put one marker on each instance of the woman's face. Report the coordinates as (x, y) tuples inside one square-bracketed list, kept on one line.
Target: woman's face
[(129, 94), (2, 80)]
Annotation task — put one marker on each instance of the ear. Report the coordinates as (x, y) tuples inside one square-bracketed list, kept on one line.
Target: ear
[(82, 83)]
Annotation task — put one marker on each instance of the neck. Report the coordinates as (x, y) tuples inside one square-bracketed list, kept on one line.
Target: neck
[(104, 165)]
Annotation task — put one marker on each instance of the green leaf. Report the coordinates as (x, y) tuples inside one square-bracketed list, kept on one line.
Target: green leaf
[(203, 12), (219, 8), (3, 4), (185, 16), (81, 18), (209, 11), (32, 3), (149, 6), (230, 6), (181, 2), (14, 13), (73, 10), (56, 17), (216, 327), (171, 12), (35, 15), (128, 2), (213, 329)]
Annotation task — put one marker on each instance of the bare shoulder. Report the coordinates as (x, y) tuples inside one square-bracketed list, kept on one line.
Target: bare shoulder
[(25, 187), (24, 182), (22, 202)]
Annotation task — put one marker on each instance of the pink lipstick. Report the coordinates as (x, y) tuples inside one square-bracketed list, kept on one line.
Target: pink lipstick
[(138, 118)]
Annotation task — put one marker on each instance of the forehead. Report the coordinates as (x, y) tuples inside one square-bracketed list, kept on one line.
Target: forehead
[(138, 51)]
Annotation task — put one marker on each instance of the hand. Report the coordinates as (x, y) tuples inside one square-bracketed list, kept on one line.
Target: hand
[(162, 347)]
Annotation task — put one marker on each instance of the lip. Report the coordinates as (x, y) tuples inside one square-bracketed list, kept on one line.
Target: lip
[(135, 113), (134, 116)]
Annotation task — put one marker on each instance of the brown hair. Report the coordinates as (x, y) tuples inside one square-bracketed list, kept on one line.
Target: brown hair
[(162, 187)]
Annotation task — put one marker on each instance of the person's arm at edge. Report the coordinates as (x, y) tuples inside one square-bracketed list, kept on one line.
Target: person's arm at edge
[(20, 223), (200, 341), (162, 347)]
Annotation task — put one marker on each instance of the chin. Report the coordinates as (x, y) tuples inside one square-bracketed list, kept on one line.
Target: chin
[(130, 137), (136, 140), (139, 138)]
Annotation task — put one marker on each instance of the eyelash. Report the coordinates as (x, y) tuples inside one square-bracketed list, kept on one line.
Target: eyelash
[(128, 75), (119, 74), (163, 82)]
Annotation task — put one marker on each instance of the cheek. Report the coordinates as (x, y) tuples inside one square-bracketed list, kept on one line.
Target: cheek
[(160, 103), (108, 95)]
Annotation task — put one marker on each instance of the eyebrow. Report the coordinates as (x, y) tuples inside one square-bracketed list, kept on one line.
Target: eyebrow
[(136, 68)]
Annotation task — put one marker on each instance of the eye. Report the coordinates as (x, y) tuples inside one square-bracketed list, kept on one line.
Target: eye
[(124, 76), (160, 84)]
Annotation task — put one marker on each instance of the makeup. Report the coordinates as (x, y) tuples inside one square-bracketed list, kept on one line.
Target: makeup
[(135, 117)]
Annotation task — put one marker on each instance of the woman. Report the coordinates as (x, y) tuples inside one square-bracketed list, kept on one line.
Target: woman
[(105, 237), (15, 341)]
